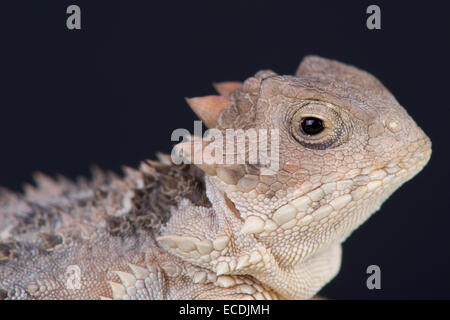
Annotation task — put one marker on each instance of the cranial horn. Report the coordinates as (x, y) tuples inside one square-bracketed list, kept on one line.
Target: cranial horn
[(208, 108), (227, 87)]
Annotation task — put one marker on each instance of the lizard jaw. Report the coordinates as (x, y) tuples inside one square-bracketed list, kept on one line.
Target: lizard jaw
[(328, 212)]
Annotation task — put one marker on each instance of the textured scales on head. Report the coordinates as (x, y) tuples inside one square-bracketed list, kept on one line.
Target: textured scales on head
[(222, 231), (285, 229)]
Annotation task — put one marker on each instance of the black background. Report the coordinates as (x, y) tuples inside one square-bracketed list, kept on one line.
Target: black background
[(113, 92)]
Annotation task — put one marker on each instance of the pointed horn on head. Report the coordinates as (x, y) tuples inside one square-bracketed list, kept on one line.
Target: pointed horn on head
[(208, 108)]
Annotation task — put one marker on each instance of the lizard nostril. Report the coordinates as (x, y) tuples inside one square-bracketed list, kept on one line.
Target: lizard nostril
[(393, 125)]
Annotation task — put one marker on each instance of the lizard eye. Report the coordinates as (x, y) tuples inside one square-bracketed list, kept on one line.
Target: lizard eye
[(319, 125), (312, 126)]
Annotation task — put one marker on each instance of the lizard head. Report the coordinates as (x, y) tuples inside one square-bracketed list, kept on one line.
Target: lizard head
[(341, 144)]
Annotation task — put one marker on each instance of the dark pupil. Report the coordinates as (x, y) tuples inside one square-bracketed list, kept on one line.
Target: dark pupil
[(312, 126)]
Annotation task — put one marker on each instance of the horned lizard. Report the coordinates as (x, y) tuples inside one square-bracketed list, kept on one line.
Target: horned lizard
[(221, 231)]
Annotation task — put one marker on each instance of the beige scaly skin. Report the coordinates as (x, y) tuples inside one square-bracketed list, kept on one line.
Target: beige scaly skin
[(225, 231)]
